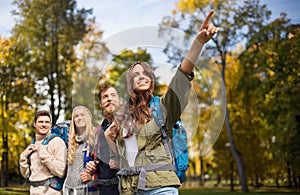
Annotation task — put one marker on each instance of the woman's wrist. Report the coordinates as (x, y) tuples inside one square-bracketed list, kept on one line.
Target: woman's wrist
[(194, 51)]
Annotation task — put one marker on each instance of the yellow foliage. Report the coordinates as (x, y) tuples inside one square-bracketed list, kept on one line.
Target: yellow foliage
[(271, 73), (190, 6), (291, 35), (233, 70)]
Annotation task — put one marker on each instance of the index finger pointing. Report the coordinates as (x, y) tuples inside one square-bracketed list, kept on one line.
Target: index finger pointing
[(211, 12)]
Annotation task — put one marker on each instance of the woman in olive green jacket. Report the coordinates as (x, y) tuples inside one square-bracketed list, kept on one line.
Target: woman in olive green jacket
[(145, 167)]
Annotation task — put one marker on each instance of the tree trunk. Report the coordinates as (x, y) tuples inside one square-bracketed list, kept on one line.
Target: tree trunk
[(295, 182), (277, 182), (257, 185), (236, 155), (2, 136), (201, 182), (4, 162), (218, 179), (231, 177), (4, 181), (289, 174)]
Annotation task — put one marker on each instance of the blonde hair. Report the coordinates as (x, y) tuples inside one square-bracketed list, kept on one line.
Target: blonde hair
[(89, 130)]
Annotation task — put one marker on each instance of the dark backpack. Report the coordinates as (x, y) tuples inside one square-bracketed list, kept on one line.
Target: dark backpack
[(178, 146), (96, 183), (59, 130)]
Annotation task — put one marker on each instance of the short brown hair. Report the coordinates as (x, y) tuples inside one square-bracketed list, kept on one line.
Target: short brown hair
[(42, 113), (103, 88)]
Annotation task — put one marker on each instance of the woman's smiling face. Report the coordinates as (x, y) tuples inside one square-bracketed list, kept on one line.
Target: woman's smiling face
[(80, 119), (141, 81)]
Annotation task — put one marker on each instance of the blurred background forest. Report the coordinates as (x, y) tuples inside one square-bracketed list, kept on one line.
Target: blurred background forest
[(54, 52)]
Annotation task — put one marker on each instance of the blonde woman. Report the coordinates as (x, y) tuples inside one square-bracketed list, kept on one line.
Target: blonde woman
[(81, 142)]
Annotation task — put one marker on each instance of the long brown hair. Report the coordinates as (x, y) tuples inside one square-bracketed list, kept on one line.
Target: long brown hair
[(139, 102), (89, 130)]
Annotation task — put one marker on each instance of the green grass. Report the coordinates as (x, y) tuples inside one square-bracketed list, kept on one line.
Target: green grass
[(15, 190), (197, 192), (187, 191), (226, 191)]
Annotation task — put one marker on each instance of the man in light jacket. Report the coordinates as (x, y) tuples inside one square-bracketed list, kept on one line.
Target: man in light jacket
[(41, 164)]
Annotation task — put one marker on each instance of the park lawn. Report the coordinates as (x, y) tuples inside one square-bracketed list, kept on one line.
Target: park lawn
[(225, 191), (185, 191), (15, 190)]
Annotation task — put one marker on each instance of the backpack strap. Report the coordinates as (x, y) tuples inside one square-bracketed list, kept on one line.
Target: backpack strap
[(160, 121), (29, 161), (142, 172), (44, 142), (87, 154), (49, 138), (156, 111), (103, 182), (52, 182), (135, 170), (97, 152)]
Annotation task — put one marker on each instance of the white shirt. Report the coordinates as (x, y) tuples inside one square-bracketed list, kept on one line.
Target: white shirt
[(131, 147)]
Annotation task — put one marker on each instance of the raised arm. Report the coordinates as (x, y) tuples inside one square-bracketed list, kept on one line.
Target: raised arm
[(205, 33)]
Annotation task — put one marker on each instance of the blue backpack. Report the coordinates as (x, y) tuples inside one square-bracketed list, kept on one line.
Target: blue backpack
[(178, 147), (59, 130)]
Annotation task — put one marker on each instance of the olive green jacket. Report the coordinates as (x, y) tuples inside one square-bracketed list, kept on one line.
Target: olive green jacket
[(150, 144)]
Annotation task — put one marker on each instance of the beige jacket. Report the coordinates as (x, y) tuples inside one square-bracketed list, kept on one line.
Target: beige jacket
[(48, 161)]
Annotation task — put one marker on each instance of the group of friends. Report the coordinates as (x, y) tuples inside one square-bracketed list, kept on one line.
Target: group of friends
[(97, 159)]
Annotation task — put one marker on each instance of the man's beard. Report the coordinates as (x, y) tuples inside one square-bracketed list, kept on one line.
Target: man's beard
[(109, 116)]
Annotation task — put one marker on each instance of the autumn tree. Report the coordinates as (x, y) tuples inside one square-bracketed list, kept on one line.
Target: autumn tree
[(272, 55), (249, 123), (15, 105), (238, 21), (92, 54), (49, 30)]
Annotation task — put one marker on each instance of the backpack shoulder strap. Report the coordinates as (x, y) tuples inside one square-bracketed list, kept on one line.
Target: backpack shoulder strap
[(156, 111), (97, 144), (160, 121), (49, 138), (44, 142), (86, 153)]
